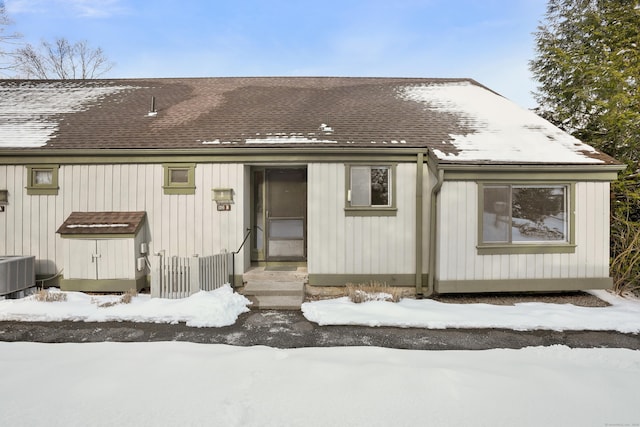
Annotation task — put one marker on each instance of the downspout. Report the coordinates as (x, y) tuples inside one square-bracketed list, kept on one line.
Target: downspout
[(419, 187), (433, 226)]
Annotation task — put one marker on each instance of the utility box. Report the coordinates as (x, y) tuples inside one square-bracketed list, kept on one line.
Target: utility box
[(17, 273), (104, 251)]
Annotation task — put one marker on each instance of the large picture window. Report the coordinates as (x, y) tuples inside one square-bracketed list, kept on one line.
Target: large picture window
[(370, 190), (519, 214)]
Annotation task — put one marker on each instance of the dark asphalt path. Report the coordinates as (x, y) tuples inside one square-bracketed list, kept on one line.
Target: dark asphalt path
[(290, 329)]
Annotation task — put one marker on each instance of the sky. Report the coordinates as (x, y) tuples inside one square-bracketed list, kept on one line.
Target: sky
[(490, 41)]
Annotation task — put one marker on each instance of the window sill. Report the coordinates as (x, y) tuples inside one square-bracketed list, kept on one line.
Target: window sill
[(42, 191), (537, 248), (179, 190), (368, 211)]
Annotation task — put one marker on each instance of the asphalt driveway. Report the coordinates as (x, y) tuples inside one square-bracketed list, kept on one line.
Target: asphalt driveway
[(290, 329)]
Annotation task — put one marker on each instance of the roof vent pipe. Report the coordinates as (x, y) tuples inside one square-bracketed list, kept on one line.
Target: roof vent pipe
[(152, 110)]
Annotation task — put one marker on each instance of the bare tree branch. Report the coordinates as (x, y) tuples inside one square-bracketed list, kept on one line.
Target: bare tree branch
[(61, 60), (6, 38)]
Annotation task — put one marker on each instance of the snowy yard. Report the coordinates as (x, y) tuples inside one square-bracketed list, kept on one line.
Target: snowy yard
[(222, 307), (187, 384)]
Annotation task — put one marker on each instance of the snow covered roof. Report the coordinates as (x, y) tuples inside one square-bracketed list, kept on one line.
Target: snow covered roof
[(459, 120), (500, 131), (82, 223)]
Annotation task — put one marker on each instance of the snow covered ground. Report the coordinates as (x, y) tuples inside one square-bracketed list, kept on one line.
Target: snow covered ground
[(187, 384), (622, 315), (222, 307)]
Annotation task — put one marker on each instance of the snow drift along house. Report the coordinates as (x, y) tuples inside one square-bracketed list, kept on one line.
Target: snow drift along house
[(440, 184)]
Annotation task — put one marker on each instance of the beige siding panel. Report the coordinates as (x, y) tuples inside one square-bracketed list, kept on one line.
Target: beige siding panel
[(179, 224), (339, 244), (458, 223)]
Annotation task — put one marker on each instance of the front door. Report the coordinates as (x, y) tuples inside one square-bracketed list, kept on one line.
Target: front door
[(280, 214)]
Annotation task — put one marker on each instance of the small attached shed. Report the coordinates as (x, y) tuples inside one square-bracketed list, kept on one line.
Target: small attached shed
[(104, 251)]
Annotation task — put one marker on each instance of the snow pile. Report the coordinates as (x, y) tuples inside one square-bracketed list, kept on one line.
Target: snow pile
[(223, 306), (623, 315), (186, 384), (502, 131), (217, 308)]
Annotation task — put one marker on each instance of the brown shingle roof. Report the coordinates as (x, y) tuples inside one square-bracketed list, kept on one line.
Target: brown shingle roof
[(86, 223), (215, 113)]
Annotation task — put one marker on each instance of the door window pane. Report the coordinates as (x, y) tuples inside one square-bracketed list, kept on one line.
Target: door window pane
[(286, 228)]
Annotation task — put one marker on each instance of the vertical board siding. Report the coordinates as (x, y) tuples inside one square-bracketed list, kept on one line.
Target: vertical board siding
[(338, 244), (183, 225), (458, 225), (178, 224)]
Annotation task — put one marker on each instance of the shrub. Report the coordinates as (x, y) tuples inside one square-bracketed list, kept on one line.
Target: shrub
[(625, 233), (125, 298), (44, 295), (625, 262), (128, 296), (373, 292)]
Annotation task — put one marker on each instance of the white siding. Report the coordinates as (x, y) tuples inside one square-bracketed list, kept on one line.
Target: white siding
[(338, 244), (179, 224), (458, 225)]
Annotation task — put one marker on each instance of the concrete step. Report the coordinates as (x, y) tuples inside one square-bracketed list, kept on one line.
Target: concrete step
[(273, 288), (276, 290), (276, 276), (276, 302)]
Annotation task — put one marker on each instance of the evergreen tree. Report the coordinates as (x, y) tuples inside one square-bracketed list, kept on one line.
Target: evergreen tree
[(588, 67)]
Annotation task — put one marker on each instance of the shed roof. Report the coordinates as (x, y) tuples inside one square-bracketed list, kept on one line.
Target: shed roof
[(89, 223), (459, 120)]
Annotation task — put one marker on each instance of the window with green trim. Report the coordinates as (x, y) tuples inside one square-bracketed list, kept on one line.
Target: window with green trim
[(370, 190), (42, 180), (521, 214), (179, 178)]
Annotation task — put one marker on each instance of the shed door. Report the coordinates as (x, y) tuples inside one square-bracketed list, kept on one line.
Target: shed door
[(115, 259), (286, 212), (100, 259), (82, 256)]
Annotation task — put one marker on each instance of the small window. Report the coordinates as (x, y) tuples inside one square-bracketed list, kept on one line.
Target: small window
[(524, 214), (42, 180), (370, 190), (179, 178)]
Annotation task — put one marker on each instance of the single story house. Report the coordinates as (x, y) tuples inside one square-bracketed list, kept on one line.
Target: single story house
[(438, 184)]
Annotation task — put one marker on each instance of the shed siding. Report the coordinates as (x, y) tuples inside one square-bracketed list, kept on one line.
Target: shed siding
[(179, 224), (458, 221), (338, 244)]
